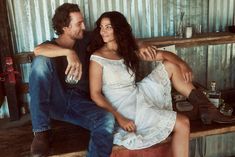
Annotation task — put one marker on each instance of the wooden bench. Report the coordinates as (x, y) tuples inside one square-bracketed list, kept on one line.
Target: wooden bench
[(197, 128), (70, 140)]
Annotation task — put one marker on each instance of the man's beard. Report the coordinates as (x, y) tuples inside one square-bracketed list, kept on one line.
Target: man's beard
[(80, 35)]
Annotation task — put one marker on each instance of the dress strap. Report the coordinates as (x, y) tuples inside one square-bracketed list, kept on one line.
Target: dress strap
[(97, 59)]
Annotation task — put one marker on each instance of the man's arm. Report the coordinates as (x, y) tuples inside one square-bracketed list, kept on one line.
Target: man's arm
[(50, 50)]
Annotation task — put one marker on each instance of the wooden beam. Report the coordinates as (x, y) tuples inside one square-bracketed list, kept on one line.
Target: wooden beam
[(23, 58), (197, 40), (6, 50), (198, 129), (202, 39)]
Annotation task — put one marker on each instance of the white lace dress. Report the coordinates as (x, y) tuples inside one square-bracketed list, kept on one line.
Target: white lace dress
[(148, 104)]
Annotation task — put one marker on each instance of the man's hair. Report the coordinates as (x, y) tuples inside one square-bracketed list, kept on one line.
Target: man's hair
[(61, 17)]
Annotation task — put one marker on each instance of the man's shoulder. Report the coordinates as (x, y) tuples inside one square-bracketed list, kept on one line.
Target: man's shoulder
[(52, 41)]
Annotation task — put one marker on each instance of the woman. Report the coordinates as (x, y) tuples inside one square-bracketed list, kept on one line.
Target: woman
[(142, 109)]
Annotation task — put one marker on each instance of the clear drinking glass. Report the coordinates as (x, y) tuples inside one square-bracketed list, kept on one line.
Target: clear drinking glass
[(198, 29), (70, 79)]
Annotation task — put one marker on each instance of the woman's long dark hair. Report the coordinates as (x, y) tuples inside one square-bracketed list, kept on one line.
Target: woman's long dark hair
[(127, 45)]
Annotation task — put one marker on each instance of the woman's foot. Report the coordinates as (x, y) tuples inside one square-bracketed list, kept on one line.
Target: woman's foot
[(208, 112)]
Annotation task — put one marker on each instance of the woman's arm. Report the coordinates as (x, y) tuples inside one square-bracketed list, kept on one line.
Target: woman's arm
[(184, 67), (151, 53), (146, 51), (95, 79)]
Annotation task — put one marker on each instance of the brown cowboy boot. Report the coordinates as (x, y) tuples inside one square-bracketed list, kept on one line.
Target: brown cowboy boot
[(41, 144), (208, 112)]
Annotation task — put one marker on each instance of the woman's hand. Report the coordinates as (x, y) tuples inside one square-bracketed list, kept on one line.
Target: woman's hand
[(126, 124), (186, 72), (147, 52)]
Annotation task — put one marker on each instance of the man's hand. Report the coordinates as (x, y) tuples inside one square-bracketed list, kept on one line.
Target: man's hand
[(74, 67), (147, 52)]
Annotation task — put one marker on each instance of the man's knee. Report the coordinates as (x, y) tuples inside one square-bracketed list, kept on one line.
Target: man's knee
[(109, 122), (42, 65)]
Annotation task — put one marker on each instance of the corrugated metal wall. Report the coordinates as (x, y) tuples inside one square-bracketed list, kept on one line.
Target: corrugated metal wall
[(31, 21)]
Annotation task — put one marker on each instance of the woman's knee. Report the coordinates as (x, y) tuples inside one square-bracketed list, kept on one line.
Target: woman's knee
[(182, 123), (170, 67)]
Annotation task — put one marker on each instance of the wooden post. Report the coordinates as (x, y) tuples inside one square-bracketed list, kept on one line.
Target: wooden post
[(6, 50)]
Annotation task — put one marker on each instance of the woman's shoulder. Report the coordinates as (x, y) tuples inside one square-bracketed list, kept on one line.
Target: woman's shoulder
[(98, 56), (106, 55), (101, 53)]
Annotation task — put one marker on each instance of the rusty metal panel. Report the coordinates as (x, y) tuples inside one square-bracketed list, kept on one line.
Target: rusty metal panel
[(211, 63), (31, 19), (31, 24), (221, 65), (221, 14), (196, 57)]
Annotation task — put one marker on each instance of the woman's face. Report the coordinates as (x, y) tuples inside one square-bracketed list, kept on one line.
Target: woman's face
[(106, 30)]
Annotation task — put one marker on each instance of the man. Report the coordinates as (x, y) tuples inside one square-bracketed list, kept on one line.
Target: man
[(53, 98)]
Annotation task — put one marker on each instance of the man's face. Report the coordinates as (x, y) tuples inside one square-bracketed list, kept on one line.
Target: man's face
[(76, 26)]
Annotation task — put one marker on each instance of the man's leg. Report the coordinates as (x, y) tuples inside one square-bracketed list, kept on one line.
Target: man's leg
[(42, 83), (83, 112), (50, 101)]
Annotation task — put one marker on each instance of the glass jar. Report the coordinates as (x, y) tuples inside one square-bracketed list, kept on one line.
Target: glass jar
[(226, 109), (214, 95)]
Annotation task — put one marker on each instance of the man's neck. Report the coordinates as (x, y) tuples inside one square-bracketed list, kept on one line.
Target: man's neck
[(65, 41)]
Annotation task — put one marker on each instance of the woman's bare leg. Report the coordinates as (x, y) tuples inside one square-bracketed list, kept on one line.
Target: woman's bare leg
[(180, 137), (177, 79), (208, 112)]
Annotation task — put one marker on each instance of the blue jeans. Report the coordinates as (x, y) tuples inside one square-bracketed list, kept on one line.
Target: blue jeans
[(49, 101)]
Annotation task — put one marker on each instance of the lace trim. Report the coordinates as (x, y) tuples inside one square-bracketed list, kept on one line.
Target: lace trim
[(159, 74), (103, 60), (156, 135)]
